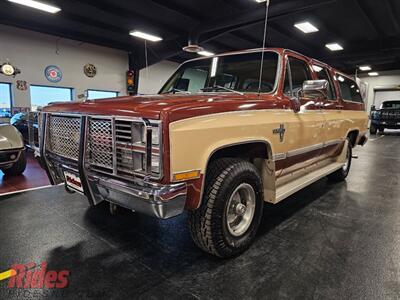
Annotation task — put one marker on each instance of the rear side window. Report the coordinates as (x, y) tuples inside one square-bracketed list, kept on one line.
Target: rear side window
[(349, 89), (323, 73), (300, 72)]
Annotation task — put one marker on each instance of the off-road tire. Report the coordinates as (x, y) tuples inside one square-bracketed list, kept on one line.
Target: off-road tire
[(381, 130), (342, 173), (208, 224), (18, 167), (373, 129)]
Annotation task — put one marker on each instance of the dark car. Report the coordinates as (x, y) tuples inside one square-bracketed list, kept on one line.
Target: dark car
[(27, 125), (388, 116)]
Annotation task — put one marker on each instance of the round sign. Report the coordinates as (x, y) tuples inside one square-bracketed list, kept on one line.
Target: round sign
[(53, 74), (90, 70), (7, 69)]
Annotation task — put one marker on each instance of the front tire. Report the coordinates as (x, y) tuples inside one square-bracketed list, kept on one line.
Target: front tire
[(226, 223), (18, 167), (342, 173)]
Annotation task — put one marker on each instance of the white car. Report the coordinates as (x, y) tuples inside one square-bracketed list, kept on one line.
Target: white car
[(12, 151)]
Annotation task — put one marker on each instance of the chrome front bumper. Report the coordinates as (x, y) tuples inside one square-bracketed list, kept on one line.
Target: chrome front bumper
[(5, 159), (161, 201), (138, 194)]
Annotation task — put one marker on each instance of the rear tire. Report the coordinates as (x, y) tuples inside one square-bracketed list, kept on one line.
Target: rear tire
[(373, 129), (227, 220), (18, 167), (342, 173), (381, 130)]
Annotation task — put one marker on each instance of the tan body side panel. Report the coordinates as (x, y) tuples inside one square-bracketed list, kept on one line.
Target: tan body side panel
[(192, 141), (340, 122)]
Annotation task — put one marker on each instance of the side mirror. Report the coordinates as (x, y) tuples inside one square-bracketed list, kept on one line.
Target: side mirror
[(315, 89)]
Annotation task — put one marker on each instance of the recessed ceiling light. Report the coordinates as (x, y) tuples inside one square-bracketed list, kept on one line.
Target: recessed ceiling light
[(341, 79), (145, 36), (38, 5), (317, 68), (334, 47), (373, 74), (206, 53), (365, 68), (306, 27)]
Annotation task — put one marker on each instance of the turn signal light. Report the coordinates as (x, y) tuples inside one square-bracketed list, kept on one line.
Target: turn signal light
[(187, 175)]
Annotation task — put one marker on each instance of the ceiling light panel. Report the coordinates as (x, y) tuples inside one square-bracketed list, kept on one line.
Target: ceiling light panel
[(334, 47), (373, 74), (38, 5), (145, 36), (206, 53), (306, 27), (365, 68)]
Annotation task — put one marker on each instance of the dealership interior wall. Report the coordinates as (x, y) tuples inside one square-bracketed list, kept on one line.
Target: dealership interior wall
[(32, 52)]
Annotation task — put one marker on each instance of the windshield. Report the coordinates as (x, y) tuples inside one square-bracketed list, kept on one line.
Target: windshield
[(391, 104), (230, 73)]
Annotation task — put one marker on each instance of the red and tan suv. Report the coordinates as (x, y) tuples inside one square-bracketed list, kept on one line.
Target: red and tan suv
[(216, 142)]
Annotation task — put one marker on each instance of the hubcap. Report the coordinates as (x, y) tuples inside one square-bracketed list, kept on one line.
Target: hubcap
[(240, 209)]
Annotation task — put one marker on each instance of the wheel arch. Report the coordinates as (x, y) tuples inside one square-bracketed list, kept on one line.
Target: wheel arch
[(353, 135), (263, 150)]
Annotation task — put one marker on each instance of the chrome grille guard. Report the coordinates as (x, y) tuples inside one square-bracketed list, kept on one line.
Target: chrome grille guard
[(140, 193)]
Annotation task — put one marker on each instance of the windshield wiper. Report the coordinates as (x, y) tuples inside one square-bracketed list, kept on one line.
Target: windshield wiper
[(220, 87), (175, 90)]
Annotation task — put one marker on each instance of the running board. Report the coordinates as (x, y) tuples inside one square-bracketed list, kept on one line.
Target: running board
[(291, 187)]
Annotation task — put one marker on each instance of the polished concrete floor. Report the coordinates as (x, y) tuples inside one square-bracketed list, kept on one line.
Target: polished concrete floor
[(329, 241)]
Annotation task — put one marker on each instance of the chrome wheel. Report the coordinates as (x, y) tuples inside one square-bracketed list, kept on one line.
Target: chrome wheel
[(240, 209)]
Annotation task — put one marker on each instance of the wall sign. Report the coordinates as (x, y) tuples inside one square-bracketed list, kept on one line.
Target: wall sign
[(9, 70), (22, 85), (53, 74), (90, 70)]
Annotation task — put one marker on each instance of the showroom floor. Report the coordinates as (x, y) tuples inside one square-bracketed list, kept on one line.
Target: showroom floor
[(33, 177), (330, 241)]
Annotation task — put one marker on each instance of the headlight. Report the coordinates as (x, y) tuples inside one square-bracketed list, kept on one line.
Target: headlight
[(155, 163), (156, 147), (155, 140)]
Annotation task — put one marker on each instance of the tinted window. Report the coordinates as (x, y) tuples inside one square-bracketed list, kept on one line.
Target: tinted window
[(323, 73), (349, 89), (5, 100), (238, 72), (93, 94), (300, 73), (43, 95)]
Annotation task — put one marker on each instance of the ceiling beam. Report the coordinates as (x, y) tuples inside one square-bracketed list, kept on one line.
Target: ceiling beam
[(214, 28), (365, 15)]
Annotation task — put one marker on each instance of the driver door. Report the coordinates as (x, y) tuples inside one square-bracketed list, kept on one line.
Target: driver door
[(305, 129)]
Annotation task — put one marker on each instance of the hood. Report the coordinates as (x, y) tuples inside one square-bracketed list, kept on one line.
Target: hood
[(10, 138), (175, 106)]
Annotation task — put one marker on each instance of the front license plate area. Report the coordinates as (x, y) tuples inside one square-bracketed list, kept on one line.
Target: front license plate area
[(73, 181)]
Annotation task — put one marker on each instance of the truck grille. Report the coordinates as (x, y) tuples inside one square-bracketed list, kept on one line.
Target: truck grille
[(117, 146), (64, 135)]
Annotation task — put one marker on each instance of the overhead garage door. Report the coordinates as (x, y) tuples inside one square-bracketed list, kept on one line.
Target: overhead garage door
[(381, 96)]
